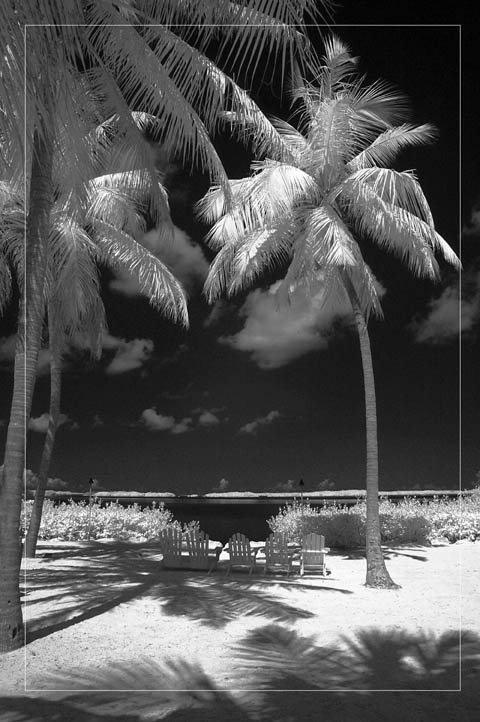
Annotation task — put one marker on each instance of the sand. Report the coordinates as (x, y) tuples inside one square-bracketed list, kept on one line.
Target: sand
[(113, 635)]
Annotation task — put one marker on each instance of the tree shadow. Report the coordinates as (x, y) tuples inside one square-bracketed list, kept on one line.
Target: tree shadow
[(107, 578), (376, 675), (389, 552)]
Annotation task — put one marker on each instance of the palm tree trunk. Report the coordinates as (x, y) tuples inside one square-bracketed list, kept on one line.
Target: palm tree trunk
[(54, 411), (377, 573), (26, 357)]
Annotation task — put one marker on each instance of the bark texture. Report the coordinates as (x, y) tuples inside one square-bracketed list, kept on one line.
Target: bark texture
[(26, 357)]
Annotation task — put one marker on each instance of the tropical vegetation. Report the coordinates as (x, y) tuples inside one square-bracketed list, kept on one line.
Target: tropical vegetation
[(312, 210), (410, 521), (89, 65)]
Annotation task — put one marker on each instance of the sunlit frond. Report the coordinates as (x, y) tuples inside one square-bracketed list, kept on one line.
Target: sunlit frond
[(5, 284), (330, 241), (12, 240), (220, 273), (392, 228), (379, 104), (264, 250), (386, 146), (158, 284), (148, 85)]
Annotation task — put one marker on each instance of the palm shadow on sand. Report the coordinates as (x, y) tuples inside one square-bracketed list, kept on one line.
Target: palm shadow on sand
[(282, 676), (107, 578)]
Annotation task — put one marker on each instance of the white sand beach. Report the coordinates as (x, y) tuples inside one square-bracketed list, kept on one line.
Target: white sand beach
[(113, 635)]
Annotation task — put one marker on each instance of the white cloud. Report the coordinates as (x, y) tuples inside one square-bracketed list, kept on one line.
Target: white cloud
[(157, 422), (207, 418), (7, 348), (7, 354), (253, 426), (222, 485), (40, 423), (448, 315), (130, 355), (220, 310), (181, 427), (277, 335), (181, 255)]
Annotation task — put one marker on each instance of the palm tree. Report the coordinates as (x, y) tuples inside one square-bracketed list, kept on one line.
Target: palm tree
[(87, 62), (113, 211), (313, 210)]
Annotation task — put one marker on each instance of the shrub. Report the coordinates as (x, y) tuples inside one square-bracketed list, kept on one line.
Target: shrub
[(71, 521), (408, 521)]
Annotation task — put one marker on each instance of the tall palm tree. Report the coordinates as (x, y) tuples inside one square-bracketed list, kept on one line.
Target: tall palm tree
[(313, 210), (113, 211), (86, 62)]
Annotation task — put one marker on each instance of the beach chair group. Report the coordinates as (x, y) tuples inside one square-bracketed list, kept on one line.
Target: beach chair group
[(280, 556), (189, 550), (193, 550)]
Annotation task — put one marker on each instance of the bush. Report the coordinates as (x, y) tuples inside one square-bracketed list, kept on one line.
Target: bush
[(408, 521), (71, 521)]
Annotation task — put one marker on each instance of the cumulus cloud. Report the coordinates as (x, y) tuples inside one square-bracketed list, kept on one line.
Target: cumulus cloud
[(275, 335), (158, 422), (40, 423), (180, 254), (208, 418), (129, 355), (222, 485), (220, 310), (31, 481), (200, 417), (451, 313), (181, 427), (253, 426), (7, 355)]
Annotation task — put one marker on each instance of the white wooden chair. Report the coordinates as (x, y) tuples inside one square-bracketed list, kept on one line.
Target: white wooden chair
[(171, 545), (312, 556), (241, 554), (200, 556), (278, 556)]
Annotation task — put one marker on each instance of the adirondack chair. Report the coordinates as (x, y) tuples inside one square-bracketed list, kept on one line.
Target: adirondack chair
[(278, 556), (171, 541), (312, 556), (241, 553), (198, 551)]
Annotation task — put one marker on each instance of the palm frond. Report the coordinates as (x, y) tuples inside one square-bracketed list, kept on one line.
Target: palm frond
[(392, 228), (220, 273), (157, 283), (441, 245), (265, 249), (386, 147), (329, 239), (5, 284), (147, 86), (379, 103)]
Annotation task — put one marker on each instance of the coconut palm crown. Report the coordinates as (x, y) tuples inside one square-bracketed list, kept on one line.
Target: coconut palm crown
[(311, 212)]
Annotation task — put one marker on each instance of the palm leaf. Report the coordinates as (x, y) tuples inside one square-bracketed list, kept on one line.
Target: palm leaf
[(392, 228), (330, 241), (386, 147), (157, 283)]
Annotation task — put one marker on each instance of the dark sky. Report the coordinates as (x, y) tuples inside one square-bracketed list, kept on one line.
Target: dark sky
[(240, 402)]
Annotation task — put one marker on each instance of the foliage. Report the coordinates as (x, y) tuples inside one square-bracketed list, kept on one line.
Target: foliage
[(71, 520), (409, 521)]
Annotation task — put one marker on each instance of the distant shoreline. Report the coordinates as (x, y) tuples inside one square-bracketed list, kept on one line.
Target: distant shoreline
[(245, 496)]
